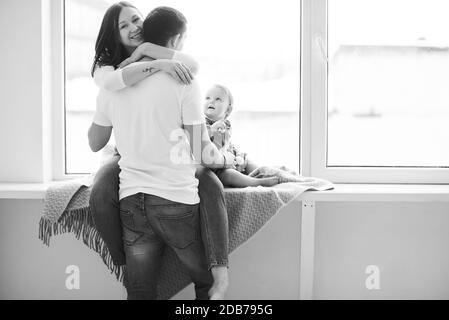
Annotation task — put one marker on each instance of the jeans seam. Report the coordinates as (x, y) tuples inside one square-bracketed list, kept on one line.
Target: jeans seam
[(210, 245)]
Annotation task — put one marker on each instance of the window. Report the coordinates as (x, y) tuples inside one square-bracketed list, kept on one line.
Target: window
[(379, 98), (252, 47)]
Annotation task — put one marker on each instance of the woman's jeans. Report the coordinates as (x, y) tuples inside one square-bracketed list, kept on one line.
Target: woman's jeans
[(104, 204), (150, 224)]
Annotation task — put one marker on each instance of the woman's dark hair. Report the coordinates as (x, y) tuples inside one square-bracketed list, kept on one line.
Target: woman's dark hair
[(163, 23), (109, 51)]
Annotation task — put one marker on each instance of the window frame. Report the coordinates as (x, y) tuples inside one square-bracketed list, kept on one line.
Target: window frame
[(313, 108), (58, 83), (59, 171), (314, 97)]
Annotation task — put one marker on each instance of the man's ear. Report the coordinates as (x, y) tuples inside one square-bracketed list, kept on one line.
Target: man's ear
[(174, 40)]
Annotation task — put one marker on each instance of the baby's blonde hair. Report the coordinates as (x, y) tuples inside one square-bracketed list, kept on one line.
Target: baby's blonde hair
[(230, 98)]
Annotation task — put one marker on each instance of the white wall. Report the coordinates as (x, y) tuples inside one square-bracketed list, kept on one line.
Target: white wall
[(31, 270), (21, 98), (407, 241), (263, 268), (266, 267)]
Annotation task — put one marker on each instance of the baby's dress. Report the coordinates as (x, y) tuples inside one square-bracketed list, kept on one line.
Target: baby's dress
[(222, 140)]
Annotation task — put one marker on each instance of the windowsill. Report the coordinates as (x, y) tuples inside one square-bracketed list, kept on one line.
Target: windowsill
[(342, 192), (382, 192), (23, 190)]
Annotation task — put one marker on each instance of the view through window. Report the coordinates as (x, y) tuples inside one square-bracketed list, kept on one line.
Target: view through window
[(252, 47), (388, 80)]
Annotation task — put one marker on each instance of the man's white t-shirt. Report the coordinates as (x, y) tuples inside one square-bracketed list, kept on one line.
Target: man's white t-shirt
[(147, 121)]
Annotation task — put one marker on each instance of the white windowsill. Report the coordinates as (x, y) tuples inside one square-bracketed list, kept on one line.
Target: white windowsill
[(342, 192), (22, 190), (382, 192)]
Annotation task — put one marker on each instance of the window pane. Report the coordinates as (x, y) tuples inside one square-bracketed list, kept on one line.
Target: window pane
[(388, 80), (82, 22), (252, 47)]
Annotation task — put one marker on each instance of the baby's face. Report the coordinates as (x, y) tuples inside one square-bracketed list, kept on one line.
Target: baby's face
[(216, 104)]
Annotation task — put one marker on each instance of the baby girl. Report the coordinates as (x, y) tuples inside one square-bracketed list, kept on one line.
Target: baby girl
[(217, 108)]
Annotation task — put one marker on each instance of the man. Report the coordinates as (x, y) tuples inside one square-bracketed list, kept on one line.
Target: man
[(159, 202)]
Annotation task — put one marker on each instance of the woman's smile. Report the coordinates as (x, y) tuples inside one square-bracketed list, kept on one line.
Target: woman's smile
[(136, 36)]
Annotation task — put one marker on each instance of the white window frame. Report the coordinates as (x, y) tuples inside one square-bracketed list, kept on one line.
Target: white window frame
[(314, 109), (57, 38), (58, 93)]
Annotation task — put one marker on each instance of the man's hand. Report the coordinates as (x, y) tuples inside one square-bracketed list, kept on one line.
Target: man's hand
[(218, 126), (230, 160), (241, 163), (98, 136)]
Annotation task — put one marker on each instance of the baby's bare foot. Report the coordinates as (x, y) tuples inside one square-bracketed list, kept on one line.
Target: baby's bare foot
[(288, 177)]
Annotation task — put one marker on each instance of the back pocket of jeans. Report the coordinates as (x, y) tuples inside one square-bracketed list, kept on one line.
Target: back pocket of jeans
[(178, 225)]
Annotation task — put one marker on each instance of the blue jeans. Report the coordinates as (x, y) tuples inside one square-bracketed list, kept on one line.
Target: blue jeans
[(214, 217), (150, 224), (104, 205)]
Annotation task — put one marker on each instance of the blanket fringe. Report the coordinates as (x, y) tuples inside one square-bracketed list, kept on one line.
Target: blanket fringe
[(80, 222)]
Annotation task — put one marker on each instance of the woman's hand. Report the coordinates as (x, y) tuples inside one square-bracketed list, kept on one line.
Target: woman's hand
[(174, 68)]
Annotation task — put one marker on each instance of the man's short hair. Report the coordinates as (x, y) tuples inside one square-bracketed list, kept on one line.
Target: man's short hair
[(163, 23)]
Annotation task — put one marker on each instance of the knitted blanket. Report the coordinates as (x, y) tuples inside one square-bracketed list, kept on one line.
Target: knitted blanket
[(66, 209)]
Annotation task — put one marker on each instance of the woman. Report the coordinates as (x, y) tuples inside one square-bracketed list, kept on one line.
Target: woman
[(120, 34)]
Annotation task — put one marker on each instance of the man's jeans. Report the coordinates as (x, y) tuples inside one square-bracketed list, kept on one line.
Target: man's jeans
[(104, 204), (150, 224)]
